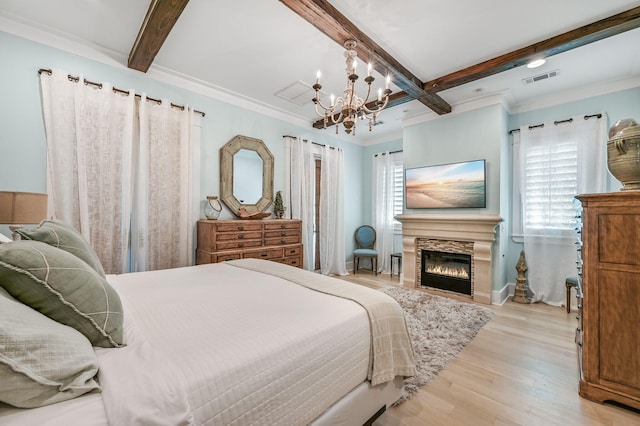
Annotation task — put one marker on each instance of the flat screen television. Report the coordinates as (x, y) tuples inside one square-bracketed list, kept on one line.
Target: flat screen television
[(446, 186)]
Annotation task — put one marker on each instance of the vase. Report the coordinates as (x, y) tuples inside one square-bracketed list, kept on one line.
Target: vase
[(212, 207), (623, 157)]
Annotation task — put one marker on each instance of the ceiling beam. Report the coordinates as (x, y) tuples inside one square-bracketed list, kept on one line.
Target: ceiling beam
[(161, 17), (582, 36), (337, 27)]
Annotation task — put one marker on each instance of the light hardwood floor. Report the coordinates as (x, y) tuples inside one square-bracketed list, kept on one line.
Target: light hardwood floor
[(521, 369)]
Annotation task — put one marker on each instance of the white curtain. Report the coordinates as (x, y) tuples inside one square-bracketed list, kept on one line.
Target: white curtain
[(102, 144), (300, 200), (548, 224), (300, 192), (383, 197), (332, 246), (89, 171), (165, 192)]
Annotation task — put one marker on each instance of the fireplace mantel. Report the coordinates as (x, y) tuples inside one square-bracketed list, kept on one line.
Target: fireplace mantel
[(477, 228)]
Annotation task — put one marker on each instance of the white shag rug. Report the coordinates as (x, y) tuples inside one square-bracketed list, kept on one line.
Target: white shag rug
[(439, 328)]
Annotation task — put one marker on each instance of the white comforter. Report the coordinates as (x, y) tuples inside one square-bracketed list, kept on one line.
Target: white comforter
[(246, 348)]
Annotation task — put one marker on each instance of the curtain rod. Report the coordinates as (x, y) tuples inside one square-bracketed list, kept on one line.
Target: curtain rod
[(307, 140), (384, 153), (568, 120), (115, 89)]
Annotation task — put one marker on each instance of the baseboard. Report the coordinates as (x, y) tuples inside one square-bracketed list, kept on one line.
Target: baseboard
[(498, 297)]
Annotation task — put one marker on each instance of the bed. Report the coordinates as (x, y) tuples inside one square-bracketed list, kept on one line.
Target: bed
[(241, 342)]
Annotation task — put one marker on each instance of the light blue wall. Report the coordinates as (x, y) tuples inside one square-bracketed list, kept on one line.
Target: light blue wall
[(22, 135), (617, 105), (472, 135)]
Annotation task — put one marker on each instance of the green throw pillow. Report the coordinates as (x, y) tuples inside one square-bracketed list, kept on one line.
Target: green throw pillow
[(41, 361), (66, 237), (64, 288)]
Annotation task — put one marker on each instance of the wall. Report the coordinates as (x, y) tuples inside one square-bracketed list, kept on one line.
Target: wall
[(22, 137)]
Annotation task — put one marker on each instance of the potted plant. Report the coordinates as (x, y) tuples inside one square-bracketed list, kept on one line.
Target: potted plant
[(278, 206)]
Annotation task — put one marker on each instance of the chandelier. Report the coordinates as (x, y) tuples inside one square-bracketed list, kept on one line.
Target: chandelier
[(351, 106)]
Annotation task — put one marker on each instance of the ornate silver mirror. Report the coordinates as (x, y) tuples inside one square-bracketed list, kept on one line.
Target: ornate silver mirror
[(246, 175)]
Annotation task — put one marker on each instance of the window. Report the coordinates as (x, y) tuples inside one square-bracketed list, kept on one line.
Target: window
[(398, 191), (551, 184), (564, 158)]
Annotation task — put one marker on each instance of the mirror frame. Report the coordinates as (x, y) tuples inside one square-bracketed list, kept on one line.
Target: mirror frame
[(226, 173)]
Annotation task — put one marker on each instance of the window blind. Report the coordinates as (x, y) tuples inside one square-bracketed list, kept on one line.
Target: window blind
[(551, 185), (398, 193)]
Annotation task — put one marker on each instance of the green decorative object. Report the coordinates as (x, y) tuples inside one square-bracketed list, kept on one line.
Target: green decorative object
[(278, 206)]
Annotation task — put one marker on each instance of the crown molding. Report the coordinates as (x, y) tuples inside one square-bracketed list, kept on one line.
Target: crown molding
[(63, 41)]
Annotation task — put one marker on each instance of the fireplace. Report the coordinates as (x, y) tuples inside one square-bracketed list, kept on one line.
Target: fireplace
[(470, 234), (446, 271)]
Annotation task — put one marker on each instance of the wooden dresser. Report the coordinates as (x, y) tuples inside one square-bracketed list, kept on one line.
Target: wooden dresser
[(608, 334), (272, 239)]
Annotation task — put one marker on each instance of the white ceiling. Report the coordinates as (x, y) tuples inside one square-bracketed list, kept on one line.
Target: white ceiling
[(253, 49)]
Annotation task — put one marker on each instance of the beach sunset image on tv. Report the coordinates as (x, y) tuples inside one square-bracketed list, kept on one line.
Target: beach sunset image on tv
[(456, 185)]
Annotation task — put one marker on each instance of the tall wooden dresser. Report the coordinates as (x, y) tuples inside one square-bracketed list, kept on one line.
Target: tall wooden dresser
[(608, 334), (272, 239)]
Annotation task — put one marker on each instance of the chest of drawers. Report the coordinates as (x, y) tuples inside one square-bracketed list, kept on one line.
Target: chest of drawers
[(278, 240), (609, 313)]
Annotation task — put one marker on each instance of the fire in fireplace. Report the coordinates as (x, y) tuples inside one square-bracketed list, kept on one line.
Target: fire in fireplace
[(446, 271)]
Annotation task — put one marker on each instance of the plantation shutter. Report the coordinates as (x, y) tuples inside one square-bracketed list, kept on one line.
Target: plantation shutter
[(551, 185), (398, 191)]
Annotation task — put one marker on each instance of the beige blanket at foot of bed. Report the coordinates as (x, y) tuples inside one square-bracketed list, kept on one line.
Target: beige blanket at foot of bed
[(391, 350)]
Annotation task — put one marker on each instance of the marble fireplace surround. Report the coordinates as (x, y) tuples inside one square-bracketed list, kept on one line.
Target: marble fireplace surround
[(476, 228)]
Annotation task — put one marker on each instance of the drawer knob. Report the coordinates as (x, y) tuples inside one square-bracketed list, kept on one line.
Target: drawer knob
[(240, 228), (240, 237), (282, 226), (283, 241), (283, 234), (241, 245), (264, 254)]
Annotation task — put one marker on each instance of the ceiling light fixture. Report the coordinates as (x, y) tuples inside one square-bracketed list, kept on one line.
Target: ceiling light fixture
[(351, 105), (536, 63)]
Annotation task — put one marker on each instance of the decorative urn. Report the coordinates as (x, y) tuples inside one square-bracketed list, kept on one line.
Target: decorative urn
[(623, 155)]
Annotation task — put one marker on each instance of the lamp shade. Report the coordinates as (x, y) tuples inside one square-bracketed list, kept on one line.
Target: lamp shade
[(21, 208)]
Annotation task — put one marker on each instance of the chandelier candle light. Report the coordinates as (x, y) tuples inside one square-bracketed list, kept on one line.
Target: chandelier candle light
[(351, 105)]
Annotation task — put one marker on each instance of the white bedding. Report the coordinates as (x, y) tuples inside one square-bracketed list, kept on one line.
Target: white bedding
[(259, 350)]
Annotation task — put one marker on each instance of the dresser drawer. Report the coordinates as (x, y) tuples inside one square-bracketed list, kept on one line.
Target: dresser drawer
[(241, 225), (227, 236), (287, 232), (223, 257), (281, 240), (295, 250), (237, 244), (266, 253), (281, 225), (291, 261), (204, 257)]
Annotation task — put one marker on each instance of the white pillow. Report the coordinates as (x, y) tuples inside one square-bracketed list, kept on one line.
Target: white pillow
[(41, 361), (4, 238)]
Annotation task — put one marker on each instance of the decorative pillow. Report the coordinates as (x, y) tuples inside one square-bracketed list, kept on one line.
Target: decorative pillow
[(41, 361), (64, 288), (59, 234), (4, 238)]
